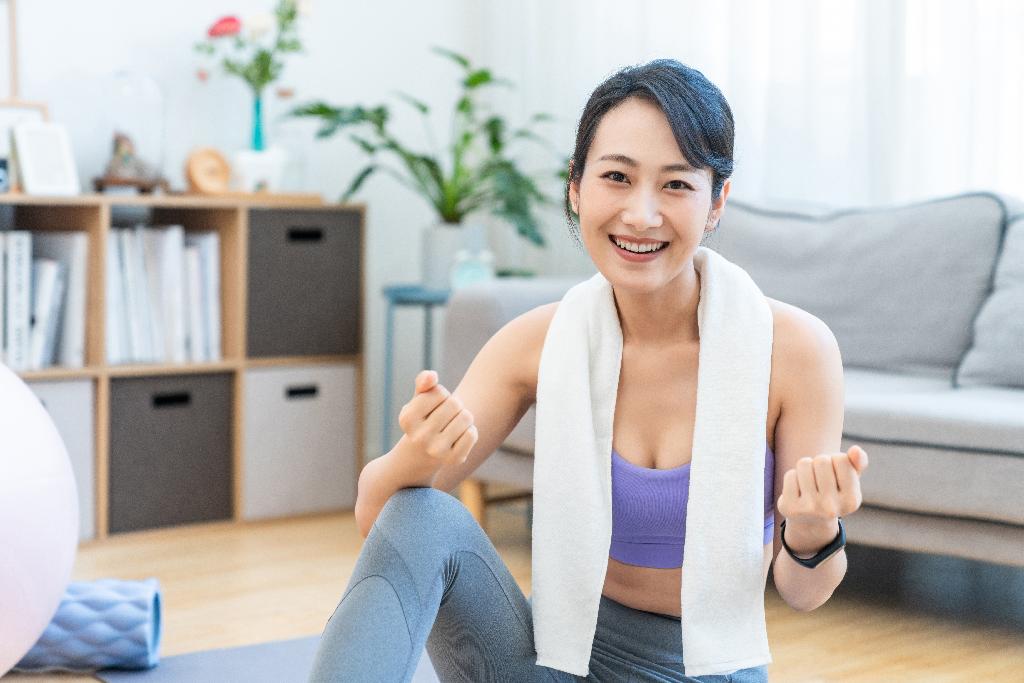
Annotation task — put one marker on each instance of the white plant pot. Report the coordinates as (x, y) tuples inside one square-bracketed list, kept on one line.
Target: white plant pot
[(259, 171), (441, 241)]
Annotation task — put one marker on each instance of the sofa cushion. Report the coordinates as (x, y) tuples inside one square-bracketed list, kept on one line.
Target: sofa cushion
[(898, 286), (980, 418), (937, 449), (996, 355)]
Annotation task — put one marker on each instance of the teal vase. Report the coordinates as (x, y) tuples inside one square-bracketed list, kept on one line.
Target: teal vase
[(257, 122)]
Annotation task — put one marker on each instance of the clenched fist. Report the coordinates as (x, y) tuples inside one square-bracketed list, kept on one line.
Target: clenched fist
[(824, 487), (435, 423)]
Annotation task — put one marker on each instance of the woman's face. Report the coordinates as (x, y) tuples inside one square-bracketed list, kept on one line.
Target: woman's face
[(638, 187)]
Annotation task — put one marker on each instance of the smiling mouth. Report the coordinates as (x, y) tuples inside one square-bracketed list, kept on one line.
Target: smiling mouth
[(651, 251)]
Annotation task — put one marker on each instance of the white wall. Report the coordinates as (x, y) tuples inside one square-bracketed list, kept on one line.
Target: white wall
[(354, 53)]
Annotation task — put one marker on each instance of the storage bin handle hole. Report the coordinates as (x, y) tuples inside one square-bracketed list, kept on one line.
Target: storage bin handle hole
[(301, 233), (177, 398), (305, 391)]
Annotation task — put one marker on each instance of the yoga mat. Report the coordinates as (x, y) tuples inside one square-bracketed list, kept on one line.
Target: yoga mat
[(274, 662), (100, 624)]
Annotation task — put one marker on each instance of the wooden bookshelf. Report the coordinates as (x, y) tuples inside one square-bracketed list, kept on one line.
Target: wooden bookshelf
[(230, 217)]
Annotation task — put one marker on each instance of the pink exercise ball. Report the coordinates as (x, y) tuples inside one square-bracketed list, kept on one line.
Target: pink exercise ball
[(38, 519)]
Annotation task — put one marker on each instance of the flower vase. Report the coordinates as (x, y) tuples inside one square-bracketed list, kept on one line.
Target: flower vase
[(257, 122), (259, 168)]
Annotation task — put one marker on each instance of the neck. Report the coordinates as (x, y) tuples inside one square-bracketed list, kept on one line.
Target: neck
[(663, 317)]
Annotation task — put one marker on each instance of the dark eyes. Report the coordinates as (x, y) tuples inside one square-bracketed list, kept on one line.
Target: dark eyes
[(677, 184)]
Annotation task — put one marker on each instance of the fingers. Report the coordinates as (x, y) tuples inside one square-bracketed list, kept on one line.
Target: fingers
[(444, 442), (805, 477), (424, 381), (831, 483), (429, 394), (858, 458), (436, 421), (464, 444), (848, 476)]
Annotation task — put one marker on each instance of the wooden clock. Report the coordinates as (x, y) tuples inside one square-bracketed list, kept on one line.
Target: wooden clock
[(207, 171)]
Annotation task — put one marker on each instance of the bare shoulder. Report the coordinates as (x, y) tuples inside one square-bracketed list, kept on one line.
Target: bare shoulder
[(528, 331), (803, 345)]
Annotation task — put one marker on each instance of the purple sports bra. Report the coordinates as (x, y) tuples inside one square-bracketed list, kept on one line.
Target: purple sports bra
[(649, 511)]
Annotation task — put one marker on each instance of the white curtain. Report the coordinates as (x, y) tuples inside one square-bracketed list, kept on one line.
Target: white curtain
[(837, 103)]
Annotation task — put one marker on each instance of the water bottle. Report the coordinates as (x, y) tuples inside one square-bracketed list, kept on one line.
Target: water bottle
[(469, 268)]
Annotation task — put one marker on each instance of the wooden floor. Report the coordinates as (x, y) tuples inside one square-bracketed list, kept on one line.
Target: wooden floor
[(227, 585)]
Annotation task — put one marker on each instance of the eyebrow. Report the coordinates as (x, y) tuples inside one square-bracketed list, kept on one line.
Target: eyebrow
[(685, 168)]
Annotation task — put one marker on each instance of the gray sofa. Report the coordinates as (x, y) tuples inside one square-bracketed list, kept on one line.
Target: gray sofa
[(927, 303)]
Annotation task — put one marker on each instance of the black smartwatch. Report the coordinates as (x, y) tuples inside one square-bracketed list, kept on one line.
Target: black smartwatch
[(837, 544)]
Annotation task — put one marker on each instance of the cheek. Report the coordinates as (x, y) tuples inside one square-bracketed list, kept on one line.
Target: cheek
[(597, 206)]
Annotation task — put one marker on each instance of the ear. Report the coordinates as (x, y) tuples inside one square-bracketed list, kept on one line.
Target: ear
[(574, 191), (718, 206)]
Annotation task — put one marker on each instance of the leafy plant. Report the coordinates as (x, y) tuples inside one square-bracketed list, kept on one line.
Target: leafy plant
[(491, 182), (252, 57)]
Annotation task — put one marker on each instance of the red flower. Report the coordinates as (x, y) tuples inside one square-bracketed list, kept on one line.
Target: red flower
[(225, 26), (202, 75)]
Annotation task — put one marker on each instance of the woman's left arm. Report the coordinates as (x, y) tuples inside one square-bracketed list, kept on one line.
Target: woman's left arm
[(815, 483)]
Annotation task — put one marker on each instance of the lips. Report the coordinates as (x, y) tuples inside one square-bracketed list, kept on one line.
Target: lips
[(611, 238)]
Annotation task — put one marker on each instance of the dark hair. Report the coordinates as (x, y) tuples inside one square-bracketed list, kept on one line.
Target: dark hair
[(696, 110)]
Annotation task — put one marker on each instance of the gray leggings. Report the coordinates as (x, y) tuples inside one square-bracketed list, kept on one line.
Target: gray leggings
[(429, 576)]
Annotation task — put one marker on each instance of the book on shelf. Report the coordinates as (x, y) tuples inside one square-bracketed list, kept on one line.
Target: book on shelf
[(47, 296), (165, 249), (17, 299), (135, 296), (163, 295), (42, 298), (208, 245), (70, 249), (115, 324), (196, 319)]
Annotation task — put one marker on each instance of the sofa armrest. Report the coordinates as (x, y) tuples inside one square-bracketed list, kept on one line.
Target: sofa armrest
[(477, 311)]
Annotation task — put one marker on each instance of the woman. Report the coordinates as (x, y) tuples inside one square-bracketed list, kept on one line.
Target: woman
[(650, 173)]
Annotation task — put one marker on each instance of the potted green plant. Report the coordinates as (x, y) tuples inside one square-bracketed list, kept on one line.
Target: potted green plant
[(254, 50), (479, 176)]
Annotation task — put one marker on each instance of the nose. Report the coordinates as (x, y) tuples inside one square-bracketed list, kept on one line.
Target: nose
[(642, 210)]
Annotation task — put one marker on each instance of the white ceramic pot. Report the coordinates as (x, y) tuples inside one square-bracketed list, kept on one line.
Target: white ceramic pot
[(441, 241), (259, 171)]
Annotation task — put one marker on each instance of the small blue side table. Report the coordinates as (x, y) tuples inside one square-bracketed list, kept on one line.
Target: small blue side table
[(407, 295)]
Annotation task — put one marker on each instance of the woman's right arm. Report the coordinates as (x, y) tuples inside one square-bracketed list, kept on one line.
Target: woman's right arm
[(441, 446)]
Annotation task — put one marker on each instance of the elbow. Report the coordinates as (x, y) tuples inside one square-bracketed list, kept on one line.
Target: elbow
[(805, 602), (805, 606), (362, 523)]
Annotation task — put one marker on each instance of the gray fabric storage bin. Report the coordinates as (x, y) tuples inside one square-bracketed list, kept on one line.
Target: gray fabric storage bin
[(170, 450), (71, 406), (303, 284), (299, 450)]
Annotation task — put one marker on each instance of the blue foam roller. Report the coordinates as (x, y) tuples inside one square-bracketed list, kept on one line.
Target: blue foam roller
[(102, 624)]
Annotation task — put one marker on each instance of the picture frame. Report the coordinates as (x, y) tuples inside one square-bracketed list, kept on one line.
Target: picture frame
[(43, 155), (12, 113)]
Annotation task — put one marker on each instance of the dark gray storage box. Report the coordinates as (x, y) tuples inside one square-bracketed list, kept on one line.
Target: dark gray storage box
[(304, 286), (170, 450)]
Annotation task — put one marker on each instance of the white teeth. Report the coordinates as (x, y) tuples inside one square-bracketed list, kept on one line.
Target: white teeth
[(638, 249)]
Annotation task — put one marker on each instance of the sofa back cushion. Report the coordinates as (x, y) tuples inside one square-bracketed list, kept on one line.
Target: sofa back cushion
[(996, 356), (898, 286)]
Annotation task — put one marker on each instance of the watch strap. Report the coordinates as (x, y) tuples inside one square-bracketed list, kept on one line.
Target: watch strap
[(837, 544)]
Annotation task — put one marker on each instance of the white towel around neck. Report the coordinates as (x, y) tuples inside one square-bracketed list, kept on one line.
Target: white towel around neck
[(722, 596)]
